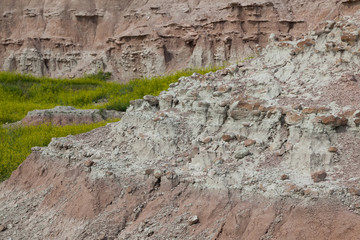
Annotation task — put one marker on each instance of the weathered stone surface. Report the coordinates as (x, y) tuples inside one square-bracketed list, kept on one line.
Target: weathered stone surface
[(152, 100), (2, 228), (65, 115), (228, 137), (207, 139), (102, 236), (284, 177), (354, 191), (149, 172), (88, 163), (332, 149), (318, 176), (243, 153), (333, 121), (249, 142), (293, 118), (350, 37), (135, 39), (311, 110), (193, 220), (158, 173)]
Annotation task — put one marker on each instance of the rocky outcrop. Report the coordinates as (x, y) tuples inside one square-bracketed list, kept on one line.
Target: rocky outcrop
[(66, 115), (141, 38), (265, 149)]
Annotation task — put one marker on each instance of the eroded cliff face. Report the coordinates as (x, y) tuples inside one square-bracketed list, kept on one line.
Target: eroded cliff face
[(266, 149), (141, 38)]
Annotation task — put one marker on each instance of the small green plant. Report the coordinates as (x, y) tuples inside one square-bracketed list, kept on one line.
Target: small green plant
[(100, 75)]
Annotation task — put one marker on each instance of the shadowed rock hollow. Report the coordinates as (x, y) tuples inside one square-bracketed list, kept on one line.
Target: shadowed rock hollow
[(266, 149), (141, 38)]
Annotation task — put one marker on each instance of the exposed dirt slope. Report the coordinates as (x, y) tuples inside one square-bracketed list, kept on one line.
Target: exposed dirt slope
[(266, 149), (136, 38)]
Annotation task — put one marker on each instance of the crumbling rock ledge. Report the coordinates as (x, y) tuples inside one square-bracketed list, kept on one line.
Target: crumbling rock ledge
[(66, 115), (265, 149)]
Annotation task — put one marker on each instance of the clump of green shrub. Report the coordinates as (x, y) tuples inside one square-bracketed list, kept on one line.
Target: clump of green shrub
[(100, 75), (16, 142)]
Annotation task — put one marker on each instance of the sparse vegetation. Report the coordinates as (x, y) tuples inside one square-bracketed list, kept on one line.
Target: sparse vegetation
[(138, 88), (16, 142), (20, 94)]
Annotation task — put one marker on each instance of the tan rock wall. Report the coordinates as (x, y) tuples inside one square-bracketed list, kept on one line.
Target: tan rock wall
[(136, 38)]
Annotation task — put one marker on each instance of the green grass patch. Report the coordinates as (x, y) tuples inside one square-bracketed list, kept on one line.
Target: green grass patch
[(20, 94), (16, 142)]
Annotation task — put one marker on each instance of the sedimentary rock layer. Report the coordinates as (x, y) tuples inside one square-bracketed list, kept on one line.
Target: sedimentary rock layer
[(141, 38), (265, 149), (62, 115)]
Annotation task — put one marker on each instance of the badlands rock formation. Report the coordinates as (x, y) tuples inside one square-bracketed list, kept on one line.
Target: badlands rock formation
[(148, 37), (62, 115), (266, 149)]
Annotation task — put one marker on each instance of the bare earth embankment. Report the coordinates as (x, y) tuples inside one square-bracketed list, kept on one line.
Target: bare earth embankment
[(266, 149)]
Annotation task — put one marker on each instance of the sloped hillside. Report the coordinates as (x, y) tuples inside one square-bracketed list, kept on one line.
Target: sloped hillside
[(266, 149)]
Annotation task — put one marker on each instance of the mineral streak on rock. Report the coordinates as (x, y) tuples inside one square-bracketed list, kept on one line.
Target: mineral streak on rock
[(141, 38), (193, 160)]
